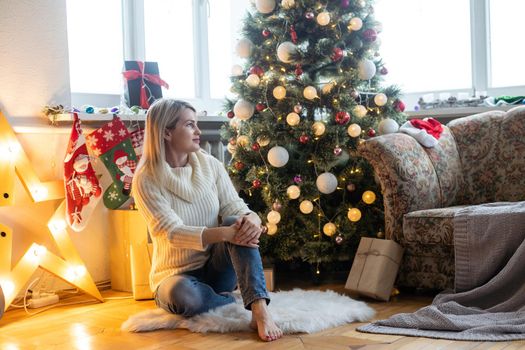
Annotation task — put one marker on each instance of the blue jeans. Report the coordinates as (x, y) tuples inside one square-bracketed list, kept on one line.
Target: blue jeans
[(198, 291)]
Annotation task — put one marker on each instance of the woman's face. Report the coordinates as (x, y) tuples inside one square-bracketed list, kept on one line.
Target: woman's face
[(185, 137)]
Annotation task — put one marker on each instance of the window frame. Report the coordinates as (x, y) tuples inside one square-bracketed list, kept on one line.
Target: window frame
[(134, 49)]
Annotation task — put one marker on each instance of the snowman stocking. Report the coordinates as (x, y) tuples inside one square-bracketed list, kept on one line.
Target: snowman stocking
[(112, 144), (81, 184)]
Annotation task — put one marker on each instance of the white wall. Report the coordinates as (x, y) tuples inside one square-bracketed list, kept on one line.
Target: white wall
[(33, 73)]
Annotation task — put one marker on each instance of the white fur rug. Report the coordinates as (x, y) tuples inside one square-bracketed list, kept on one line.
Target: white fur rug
[(296, 311)]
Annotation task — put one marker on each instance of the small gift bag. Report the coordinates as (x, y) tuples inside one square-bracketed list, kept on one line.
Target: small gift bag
[(375, 267)]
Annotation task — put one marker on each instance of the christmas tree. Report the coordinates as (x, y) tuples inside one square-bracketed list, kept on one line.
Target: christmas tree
[(308, 94)]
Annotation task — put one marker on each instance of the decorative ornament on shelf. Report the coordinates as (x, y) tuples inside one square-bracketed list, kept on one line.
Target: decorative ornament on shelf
[(278, 156), (326, 183)]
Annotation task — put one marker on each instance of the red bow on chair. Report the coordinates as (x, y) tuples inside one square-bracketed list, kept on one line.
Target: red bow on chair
[(139, 74)]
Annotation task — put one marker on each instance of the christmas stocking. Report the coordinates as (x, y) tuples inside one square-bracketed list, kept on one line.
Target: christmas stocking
[(137, 141), (426, 131), (112, 144), (81, 184)]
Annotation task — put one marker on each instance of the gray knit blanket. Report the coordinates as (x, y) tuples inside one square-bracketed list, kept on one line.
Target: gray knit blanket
[(488, 303)]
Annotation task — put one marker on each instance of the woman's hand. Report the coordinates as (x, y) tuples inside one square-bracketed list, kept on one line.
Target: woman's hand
[(249, 230)]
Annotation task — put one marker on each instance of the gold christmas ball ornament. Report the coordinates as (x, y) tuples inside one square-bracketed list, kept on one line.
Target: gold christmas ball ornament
[(293, 192), (263, 140), (287, 4), (272, 229), (318, 128), (359, 111), (310, 92), (380, 99), (293, 119), (323, 18), (306, 207), (279, 92), (354, 214), (354, 130), (243, 141), (273, 217), (369, 197), (329, 229)]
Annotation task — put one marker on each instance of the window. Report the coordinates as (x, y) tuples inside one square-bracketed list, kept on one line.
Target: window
[(95, 46), (446, 46), (507, 52), (425, 45)]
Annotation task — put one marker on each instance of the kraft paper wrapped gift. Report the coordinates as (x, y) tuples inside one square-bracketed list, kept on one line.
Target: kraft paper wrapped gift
[(375, 268)]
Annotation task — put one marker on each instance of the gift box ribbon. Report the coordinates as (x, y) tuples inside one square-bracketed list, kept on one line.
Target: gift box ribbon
[(377, 253), (139, 74)]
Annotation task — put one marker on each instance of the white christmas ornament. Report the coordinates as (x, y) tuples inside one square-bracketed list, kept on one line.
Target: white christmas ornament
[(306, 207), (278, 156), (231, 148), (366, 69), (244, 48), (234, 122), (387, 126), (279, 92), (287, 4), (273, 217), (293, 119), (354, 130), (236, 70), (323, 18), (243, 109), (326, 183), (285, 50), (293, 192), (380, 99), (359, 111), (318, 128), (253, 80), (310, 92), (265, 6), (355, 24)]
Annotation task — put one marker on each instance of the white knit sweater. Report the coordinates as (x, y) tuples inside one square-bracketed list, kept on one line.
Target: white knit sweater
[(193, 198)]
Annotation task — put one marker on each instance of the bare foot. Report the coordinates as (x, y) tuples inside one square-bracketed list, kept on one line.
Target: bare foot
[(262, 321)]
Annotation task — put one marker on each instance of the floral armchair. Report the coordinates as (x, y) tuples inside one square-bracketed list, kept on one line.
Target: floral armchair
[(479, 159)]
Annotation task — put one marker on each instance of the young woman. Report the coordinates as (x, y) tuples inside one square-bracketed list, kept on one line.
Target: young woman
[(181, 192)]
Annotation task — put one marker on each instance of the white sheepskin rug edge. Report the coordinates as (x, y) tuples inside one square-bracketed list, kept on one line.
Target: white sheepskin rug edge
[(295, 311)]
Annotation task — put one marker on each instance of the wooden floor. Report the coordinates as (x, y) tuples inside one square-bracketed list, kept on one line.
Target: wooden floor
[(96, 326)]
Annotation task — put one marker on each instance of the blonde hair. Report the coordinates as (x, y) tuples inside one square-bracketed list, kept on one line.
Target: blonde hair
[(163, 114)]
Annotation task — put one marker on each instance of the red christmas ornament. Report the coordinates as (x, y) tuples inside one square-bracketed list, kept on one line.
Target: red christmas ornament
[(293, 34), (266, 33), (370, 35), (260, 107), (239, 165), (298, 70), (399, 106), (337, 54), (304, 139), (383, 71), (256, 147), (257, 70), (231, 114), (371, 132), (342, 117), (256, 183)]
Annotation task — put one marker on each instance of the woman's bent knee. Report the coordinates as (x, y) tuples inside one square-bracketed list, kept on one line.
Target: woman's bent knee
[(179, 295)]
